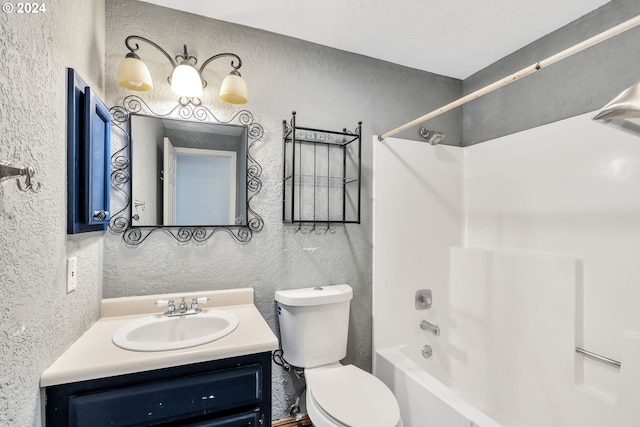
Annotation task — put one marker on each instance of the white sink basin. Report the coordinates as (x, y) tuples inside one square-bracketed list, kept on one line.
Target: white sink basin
[(159, 333)]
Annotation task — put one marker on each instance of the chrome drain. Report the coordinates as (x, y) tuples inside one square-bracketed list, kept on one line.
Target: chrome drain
[(427, 351)]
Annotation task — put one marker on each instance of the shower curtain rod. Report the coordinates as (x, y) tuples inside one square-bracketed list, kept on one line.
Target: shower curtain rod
[(605, 35)]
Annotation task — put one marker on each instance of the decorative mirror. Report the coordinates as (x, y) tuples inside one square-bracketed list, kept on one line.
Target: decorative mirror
[(185, 172)]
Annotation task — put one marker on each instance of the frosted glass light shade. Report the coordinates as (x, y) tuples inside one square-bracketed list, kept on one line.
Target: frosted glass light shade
[(234, 89), (133, 74), (185, 81)]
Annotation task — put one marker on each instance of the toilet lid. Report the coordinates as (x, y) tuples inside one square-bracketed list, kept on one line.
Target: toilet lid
[(353, 397)]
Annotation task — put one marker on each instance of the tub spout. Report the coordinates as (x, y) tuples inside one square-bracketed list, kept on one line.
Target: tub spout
[(427, 326)]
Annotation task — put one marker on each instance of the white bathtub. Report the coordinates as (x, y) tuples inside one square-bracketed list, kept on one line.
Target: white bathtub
[(429, 397), (425, 401)]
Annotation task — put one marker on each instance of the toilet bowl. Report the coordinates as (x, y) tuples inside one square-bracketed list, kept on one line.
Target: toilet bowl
[(314, 331), (347, 396)]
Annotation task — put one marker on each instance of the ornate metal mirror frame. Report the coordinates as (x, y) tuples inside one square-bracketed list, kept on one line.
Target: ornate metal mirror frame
[(121, 173)]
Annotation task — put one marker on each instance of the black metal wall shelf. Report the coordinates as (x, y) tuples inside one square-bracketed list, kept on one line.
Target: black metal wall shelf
[(319, 136), (322, 174)]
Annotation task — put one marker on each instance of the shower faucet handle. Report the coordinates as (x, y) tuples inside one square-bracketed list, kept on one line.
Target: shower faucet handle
[(423, 299)]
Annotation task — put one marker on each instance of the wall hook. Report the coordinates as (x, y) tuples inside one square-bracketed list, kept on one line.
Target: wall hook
[(10, 170)]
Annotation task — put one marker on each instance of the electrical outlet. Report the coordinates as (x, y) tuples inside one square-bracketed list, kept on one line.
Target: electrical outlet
[(72, 273)]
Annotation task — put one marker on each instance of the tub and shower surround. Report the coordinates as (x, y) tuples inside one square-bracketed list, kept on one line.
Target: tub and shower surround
[(527, 243), (506, 357)]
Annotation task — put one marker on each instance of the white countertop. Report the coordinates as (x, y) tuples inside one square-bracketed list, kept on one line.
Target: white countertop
[(94, 355)]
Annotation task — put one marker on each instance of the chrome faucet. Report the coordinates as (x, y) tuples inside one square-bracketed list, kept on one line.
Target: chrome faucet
[(427, 326), (183, 309), (170, 309)]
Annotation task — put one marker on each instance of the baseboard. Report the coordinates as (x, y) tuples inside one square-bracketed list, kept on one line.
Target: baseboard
[(291, 422)]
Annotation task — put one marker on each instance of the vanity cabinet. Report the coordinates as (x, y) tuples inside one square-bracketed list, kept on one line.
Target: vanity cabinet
[(233, 392)]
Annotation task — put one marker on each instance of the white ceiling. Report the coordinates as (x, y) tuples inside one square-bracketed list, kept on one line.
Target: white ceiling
[(454, 38)]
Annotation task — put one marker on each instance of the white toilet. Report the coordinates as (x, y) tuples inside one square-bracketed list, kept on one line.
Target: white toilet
[(314, 326)]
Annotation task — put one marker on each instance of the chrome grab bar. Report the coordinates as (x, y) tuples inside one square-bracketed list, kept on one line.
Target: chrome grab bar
[(599, 357)]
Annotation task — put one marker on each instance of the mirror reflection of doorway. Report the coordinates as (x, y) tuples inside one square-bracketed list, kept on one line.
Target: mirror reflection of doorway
[(198, 186), (148, 171)]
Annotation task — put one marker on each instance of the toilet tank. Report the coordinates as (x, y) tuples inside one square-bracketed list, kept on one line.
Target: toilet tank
[(314, 324)]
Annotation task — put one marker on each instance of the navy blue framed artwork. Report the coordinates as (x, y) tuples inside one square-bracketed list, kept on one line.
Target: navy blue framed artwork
[(88, 158)]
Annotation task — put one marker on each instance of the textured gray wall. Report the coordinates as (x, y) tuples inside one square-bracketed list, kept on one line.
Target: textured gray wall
[(38, 320), (329, 89), (576, 85)]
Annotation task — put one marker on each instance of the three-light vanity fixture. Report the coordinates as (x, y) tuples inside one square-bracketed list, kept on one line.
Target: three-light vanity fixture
[(186, 80)]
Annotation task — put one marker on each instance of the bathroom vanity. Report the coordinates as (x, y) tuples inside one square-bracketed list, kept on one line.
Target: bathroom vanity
[(224, 383)]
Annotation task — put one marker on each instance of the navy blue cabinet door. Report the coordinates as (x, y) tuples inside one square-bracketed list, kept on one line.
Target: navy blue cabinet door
[(233, 392), (88, 158), (97, 156)]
